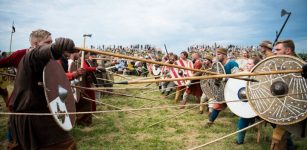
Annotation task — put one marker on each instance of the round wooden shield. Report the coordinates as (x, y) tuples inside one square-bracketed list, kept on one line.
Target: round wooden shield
[(181, 73), (241, 62), (156, 70), (205, 87), (214, 88), (280, 98), (59, 95), (236, 90), (72, 66)]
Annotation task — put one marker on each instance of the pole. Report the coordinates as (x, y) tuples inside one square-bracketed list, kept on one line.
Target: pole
[(13, 31), (82, 53), (283, 12), (11, 42), (166, 52)]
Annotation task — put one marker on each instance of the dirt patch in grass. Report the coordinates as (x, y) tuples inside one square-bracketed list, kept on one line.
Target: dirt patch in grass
[(86, 129), (142, 136)]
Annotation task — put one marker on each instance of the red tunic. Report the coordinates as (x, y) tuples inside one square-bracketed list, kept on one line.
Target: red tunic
[(195, 89), (13, 59), (88, 68), (84, 105)]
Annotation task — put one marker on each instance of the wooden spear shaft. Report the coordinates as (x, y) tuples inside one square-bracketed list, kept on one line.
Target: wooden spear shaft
[(7, 74), (112, 88), (102, 58), (141, 59), (148, 61), (211, 77), (85, 88), (116, 74), (104, 79), (147, 78), (111, 106)]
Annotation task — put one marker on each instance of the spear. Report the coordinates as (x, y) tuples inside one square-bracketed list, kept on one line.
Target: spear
[(102, 58), (121, 94), (7, 74), (151, 61), (166, 51), (211, 77)]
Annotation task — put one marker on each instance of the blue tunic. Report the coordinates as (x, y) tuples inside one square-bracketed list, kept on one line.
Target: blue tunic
[(230, 66)]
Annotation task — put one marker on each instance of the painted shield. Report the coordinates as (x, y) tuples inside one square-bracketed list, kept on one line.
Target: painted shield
[(214, 88), (279, 98), (156, 70), (72, 66), (241, 62), (165, 71), (58, 94), (236, 90), (181, 73), (149, 67)]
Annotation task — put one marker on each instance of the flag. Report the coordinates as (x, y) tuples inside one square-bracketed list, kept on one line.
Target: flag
[(13, 29)]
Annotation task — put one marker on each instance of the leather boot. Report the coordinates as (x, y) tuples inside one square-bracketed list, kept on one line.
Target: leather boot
[(177, 96), (201, 108)]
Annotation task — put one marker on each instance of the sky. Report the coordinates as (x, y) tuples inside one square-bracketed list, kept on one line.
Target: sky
[(176, 23)]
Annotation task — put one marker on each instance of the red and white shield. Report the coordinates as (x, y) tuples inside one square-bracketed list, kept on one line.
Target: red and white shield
[(181, 73), (149, 67), (165, 72)]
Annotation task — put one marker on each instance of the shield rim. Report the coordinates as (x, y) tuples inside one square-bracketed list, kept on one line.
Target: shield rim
[(205, 81), (231, 106), (248, 91), (73, 121)]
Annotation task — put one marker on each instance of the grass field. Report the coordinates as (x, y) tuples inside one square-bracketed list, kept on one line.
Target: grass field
[(126, 130)]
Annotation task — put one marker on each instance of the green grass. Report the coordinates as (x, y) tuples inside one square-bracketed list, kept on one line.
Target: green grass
[(124, 130)]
